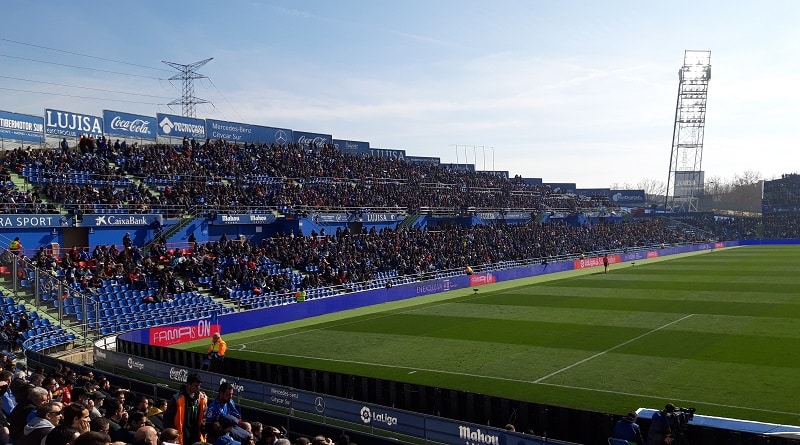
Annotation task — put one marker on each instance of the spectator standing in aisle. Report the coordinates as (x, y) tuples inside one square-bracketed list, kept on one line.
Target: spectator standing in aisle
[(186, 412)]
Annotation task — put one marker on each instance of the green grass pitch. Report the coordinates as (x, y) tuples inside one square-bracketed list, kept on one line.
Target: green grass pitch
[(719, 331)]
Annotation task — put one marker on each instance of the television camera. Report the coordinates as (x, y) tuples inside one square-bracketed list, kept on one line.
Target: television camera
[(677, 417)]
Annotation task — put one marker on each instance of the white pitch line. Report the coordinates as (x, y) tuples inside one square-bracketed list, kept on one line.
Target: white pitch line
[(532, 382), (580, 362)]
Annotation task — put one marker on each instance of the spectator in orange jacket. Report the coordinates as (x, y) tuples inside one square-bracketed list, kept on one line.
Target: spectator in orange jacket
[(186, 412)]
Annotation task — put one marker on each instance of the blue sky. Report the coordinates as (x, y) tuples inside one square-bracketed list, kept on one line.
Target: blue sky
[(567, 91)]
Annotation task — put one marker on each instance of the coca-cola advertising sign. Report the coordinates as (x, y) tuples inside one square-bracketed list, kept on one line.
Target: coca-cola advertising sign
[(135, 126), (306, 139)]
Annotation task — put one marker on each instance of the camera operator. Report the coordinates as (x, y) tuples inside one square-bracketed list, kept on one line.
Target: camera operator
[(659, 425), (668, 424)]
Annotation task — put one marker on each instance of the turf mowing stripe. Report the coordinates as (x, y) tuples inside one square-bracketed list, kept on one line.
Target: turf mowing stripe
[(413, 370), (738, 346), (540, 379)]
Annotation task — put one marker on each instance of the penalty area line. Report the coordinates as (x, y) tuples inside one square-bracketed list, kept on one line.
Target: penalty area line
[(580, 362)]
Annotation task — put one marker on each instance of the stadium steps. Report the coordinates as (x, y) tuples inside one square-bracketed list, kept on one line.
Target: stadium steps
[(228, 302), (24, 297), (688, 229), (21, 183), (410, 220), (185, 221)]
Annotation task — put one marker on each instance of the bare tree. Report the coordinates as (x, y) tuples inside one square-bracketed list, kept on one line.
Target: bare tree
[(654, 189)]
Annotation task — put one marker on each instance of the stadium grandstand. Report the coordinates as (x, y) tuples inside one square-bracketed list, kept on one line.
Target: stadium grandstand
[(106, 237)]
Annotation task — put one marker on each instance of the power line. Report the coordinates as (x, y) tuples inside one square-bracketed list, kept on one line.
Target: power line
[(84, 88), (81, 97), (80, 67), (96, 70), (82, 55), (226, 100)]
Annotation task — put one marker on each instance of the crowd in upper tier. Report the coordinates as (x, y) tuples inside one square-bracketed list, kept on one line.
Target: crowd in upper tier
[(226, 177), (230, 177)]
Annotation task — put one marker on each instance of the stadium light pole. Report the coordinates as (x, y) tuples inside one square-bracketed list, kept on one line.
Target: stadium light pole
[(456, 146), (492, 158), (483, 147)]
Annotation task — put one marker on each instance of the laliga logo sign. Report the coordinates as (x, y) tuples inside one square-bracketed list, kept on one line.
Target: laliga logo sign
[(367, 416), (133, 364), (236, 387)]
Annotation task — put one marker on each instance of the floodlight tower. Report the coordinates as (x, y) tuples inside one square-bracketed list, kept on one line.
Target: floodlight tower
[(187, 75), (685, 181)]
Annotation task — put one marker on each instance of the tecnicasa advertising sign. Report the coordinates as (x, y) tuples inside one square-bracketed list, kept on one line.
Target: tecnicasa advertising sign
[(237, 132), (69, 124), (179, 126), (21, 127), (129, 125)]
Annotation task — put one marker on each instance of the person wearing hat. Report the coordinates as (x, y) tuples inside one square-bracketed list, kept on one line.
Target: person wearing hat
[(226, 423), (15, 246), (627, 429), (232, 433), (186, 412), (216, 351), (94, 402)]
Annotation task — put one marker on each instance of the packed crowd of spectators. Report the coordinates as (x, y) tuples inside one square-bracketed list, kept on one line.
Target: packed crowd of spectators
[(720, 227), (13, 200), (227, 177), (60, 406), (781, 207), (782, 225), (287, 262), (230, 177), (76, 180), (782, 195), (300, 177)]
